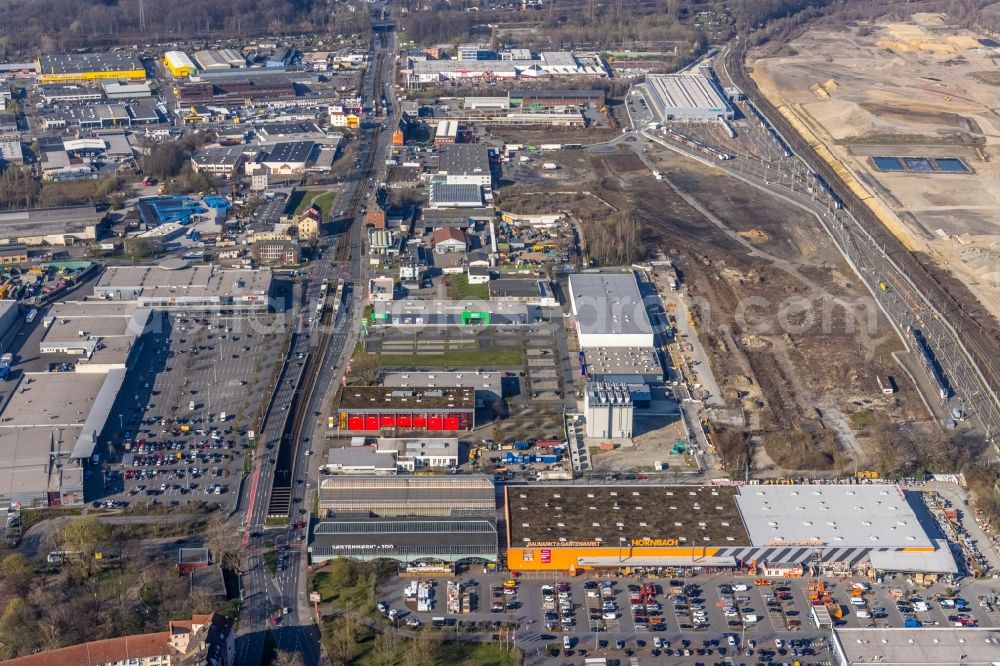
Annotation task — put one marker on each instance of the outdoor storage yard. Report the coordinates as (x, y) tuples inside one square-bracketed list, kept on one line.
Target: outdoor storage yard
[(914, 89), (803, 370)]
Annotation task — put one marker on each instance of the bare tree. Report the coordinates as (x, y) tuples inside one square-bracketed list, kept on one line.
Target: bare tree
[(285, 658)]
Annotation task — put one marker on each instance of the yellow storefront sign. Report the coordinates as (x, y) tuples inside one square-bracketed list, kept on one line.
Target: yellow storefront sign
[(659, 543)]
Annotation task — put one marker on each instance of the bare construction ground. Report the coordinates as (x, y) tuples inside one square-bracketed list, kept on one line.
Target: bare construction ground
[(801, 373), (914, 89)]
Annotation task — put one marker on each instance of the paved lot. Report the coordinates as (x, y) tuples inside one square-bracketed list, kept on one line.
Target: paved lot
[(189, 373), (704, 611)]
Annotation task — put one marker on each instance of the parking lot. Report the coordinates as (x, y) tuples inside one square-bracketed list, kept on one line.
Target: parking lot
[(186, 408), (706, 615)]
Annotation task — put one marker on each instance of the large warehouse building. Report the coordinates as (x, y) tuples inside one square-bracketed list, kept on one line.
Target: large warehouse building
[(53, 226), (928, 646), (177, 286), (41, 457), (694, 96), (608, 310), (378, 408), (422, 521), (179, 64), (775, 530), (120, 65)]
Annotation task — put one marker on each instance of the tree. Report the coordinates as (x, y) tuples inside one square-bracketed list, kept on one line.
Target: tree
[(87, 536), (17, 573), (388, 649), (344, 640), (421, 653), (141, 248), (17, 188), (165, 160), (18, 627), (285, 658)]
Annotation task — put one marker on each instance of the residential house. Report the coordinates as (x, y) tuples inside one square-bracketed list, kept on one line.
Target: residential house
[(204, 639), (478, 274), (449, 239), (308, 223)]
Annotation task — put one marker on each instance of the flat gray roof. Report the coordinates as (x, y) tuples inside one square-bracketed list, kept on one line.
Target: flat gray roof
[(408, 495), (687, 92), (98, 323), (463, 193), (609, 362), (926, 645), (51, 399), (515, 288), (401, 308), (940, 561), (837, 516), (362, 536), (45, 221), (464, 159), (35, 462), (222, 156), (361, 456), (480, 381), (191, 281), (438, 446), (608, 303)]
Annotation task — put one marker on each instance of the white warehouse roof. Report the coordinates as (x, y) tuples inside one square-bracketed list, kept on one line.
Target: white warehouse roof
[(838, 516), (925, 645), (684, 95), (609, 310), (179, 59)]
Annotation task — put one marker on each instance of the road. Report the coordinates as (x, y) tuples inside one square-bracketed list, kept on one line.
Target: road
[(324, 345), (887, 270)]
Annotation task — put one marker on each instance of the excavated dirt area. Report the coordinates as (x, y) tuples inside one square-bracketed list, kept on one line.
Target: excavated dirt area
[(800, 374), (919, 88)]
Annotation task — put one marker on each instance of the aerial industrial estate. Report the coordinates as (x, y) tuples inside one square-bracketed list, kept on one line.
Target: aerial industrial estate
[(409, 336)]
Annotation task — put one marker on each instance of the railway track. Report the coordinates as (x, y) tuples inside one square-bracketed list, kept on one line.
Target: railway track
[(354, 205), (981, 348), (280, 501)]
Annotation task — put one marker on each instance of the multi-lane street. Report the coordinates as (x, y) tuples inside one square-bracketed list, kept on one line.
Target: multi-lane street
[(280, 603)]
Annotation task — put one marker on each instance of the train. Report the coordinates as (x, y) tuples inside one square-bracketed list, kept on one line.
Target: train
[(765, 124), (321, 301), (823, 185), (729, 128), (930, 360), (338, 296), (698, 145)]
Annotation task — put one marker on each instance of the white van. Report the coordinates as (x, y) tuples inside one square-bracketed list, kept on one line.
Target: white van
[(567, 642)]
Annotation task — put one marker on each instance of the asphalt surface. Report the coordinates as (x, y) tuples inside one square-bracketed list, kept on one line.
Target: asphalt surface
[(263, 594), (775, 607)]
